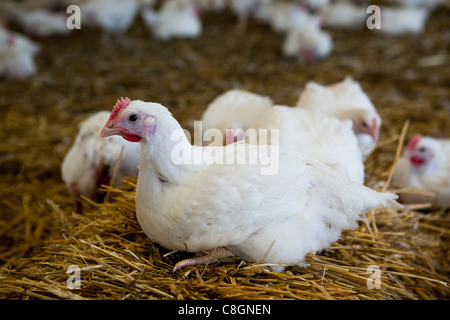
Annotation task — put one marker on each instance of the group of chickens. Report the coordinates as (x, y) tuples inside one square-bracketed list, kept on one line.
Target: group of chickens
[(215, 208), (299, 21), (218, 209)]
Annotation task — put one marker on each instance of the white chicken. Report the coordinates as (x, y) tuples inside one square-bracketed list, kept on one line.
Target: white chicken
[(273, 218), (282, 16), (344, 15), (403, 20), (42, 22), (175, 19), (425, 166), (345, 100), (234, 109), (308, 42), (321, 137), (112, 16), (22, 42), (17, 54), (91, 160)]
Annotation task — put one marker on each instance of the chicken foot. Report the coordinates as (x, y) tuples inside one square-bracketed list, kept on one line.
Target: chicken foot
[(205, 257)]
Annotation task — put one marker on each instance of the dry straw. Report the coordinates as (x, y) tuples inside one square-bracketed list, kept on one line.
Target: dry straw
[(78, 74), (117, 261)]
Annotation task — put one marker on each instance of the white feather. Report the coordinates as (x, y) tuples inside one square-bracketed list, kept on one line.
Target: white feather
[(345, 100), (16, 55), (432, 176), (322, 137), (344, 14), (341, 96), (307, 42), (282, 16), (398, 21), (235, 109), (42, 22), (112, 16), (191, 207), (90, 155), (176, 19)]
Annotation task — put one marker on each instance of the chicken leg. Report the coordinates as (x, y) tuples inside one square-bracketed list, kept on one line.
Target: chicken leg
[(205, 257)]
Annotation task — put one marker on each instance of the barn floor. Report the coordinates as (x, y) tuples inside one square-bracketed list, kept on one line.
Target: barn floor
[(406, 77)]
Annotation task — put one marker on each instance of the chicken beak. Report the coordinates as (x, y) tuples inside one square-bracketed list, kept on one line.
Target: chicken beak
[(109, 130)]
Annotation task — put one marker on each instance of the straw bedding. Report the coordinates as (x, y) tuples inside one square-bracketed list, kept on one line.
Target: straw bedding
[(41, 236)]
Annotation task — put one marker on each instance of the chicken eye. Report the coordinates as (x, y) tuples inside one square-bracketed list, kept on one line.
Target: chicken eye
[(133, 118), (364, 124), (422, 149)]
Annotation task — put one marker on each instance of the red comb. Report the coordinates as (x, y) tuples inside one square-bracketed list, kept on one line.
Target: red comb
[(413, 143), (120, 104)]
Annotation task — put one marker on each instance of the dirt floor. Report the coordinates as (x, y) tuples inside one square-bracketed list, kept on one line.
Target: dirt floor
[(87, 71)]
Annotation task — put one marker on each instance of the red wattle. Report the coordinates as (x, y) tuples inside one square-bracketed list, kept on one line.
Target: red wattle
[(417, 161), (131, 137)]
